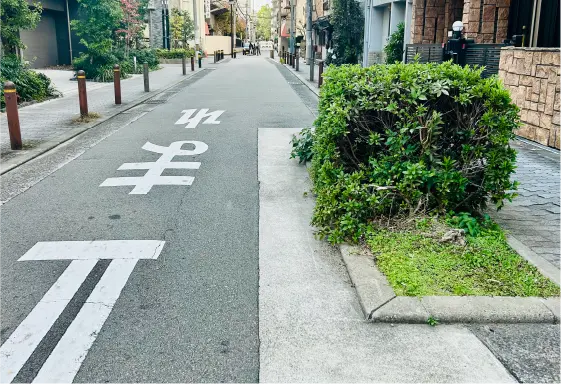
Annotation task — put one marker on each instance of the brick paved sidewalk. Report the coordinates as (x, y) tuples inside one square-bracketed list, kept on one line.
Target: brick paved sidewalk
[(48, 120), (533, 217)]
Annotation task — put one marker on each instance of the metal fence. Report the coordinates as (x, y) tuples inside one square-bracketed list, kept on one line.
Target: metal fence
[(487, 55)]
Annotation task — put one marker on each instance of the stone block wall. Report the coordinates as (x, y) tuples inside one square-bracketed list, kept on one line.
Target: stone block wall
[(485, 21), (532, 76)]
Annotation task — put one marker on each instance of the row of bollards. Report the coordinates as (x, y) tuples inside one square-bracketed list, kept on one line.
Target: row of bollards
[(11, 98), (218, 55), (293, 60)]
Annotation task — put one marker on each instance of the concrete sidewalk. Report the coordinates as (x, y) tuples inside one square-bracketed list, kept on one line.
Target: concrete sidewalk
[(52, 121), (310, 324)]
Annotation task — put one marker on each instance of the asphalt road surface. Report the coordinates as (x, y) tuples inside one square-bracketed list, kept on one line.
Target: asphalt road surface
[(133, 257), (137, 252)]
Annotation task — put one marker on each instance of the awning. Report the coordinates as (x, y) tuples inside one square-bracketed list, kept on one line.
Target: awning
[(284, 30)]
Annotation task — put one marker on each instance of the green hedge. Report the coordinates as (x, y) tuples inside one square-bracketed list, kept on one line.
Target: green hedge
[(175, 53), (100, 68), (30, 85), (406, 139)]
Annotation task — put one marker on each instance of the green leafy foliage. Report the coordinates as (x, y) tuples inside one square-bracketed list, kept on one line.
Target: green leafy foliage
[(263, 24), (302, 145), (417, 263), (16, 15), (394, 46), (432, 321), (96, 25), (175, 53), (409, 138), (30, 85), (100, 67), (348, 26), (467, 222), (182, 27)]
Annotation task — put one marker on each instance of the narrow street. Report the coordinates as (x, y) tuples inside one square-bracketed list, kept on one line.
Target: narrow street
[(172, 243), (189, 313)]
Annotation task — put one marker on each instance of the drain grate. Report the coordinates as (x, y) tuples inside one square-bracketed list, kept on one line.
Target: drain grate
[(156, 101)]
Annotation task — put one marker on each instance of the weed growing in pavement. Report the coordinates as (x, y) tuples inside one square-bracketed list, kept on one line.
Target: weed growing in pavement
[(92, 116), (433, 322)]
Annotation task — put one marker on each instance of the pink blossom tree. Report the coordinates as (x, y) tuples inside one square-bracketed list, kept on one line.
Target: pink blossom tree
[(132, 23)]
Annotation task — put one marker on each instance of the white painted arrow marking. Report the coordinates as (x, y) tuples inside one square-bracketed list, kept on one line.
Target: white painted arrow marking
[(203, 113), (143, 184), (67, 357)]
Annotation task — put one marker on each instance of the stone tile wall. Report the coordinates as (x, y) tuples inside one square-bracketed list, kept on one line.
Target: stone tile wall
[(485, 21), (532, 75)]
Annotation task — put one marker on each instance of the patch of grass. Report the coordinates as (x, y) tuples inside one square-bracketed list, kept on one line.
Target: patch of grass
[(417, 263), (92, 116)]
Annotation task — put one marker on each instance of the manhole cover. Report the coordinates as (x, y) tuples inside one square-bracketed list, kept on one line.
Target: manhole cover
[(155, 101)]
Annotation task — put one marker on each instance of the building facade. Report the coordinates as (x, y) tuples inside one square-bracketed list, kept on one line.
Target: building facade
[(381, 18), (52, 42)]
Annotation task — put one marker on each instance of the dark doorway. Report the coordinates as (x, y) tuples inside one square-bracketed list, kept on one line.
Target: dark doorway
[(520, 16), (548, 31)]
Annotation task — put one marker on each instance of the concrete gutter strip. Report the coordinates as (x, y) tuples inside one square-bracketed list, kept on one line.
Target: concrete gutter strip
[(380, 303), (31, 154)]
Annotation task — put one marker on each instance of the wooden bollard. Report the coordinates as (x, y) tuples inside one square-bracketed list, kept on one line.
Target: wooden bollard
[(183, 66), (82, 94), (192, 63), (117, 83), (11, 99)]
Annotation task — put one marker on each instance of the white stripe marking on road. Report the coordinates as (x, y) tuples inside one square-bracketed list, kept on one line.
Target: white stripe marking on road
[(27, 336), (94, 250), (67, 357)]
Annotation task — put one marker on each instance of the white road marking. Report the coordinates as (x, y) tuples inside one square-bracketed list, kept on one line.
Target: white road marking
[(67, 357), (203, 113), (94, 250), (143, 184), (23, 341)]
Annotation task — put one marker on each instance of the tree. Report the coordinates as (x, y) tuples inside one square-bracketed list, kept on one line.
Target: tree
[(132, 24), (394, 47), (98, 21), (348, 25), (263, 27), (182, 27), (16, 15), (223, 24)]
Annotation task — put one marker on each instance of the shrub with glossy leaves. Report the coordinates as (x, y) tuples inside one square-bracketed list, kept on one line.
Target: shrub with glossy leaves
[(408, 138)]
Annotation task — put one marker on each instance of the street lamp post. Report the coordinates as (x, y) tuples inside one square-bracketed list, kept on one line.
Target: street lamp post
[(232, 2)]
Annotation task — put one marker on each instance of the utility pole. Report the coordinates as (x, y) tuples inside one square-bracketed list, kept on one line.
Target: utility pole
[(196, 25), (309, 48), (232, 3), (292, 25), (247, 20)]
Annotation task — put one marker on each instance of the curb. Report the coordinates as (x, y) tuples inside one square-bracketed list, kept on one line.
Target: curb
[(380, 304), (307, 83), (31, 154)]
